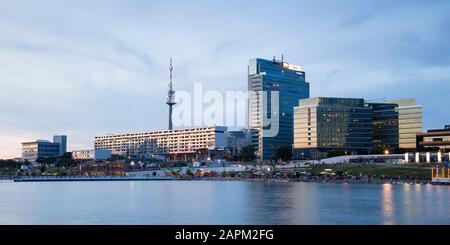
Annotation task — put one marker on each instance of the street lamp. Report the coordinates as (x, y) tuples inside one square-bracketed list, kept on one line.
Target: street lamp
[(386, 152)]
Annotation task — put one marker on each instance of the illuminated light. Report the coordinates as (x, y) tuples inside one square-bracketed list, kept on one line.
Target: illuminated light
[(292, 67), (386, 152)]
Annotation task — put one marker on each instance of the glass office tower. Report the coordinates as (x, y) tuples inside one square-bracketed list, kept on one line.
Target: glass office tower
[(385, 127), (323, 124), (62, 140), (278, 86), (409, 122)]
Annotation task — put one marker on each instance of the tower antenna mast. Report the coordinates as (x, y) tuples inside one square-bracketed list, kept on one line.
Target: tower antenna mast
[(170, 95)]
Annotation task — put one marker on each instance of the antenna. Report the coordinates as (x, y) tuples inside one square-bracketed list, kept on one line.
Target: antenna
[(170, 95), (282, 58), (170, 70)]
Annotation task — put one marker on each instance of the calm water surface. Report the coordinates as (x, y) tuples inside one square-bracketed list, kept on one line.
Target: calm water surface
[(227, 202)]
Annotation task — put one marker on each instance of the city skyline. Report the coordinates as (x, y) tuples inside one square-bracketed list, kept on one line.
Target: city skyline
[(67, 69)]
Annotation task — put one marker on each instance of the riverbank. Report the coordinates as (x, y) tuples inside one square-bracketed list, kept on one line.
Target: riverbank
[(316, 180), (89, 178)]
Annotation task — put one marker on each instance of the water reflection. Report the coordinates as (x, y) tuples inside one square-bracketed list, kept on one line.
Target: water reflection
[(228, 202), (387, 206)]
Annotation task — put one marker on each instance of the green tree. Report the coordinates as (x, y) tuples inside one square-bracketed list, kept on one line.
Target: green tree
[(247, 154), (282, 153), (336, 153)]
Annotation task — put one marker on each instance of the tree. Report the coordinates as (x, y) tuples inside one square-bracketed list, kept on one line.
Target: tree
[(282, 153), (336, 153), (247, 153)]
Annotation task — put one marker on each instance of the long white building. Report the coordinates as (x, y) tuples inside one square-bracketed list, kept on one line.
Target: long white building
[(177, 142)]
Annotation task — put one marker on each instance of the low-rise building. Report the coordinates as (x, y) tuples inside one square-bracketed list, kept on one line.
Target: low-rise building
[(31, 151), (108, 168), (434, 140), (91, 154)]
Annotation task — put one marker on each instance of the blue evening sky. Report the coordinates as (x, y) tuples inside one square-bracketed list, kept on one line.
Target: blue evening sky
[(86, 68)]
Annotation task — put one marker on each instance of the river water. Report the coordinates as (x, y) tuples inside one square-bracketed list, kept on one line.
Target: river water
[(221, 202)]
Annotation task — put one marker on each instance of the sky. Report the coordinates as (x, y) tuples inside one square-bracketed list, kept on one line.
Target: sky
[(87, 68)]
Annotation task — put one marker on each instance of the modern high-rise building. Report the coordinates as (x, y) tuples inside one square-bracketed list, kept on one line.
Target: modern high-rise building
[(188, 143), (62, 140), (385, 126), (275, 87), (395, 124), (409, 122), (323, 124), (350, 124)]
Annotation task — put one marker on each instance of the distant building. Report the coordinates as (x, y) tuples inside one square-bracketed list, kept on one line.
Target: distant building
[(395, 124), (447, 127), (409, 122), (434, 140), (113, 168), (31, 151), (179, 144), (236, 140), (332, 124), (385, 126), (288, 80), (62, 140), (91, 154)]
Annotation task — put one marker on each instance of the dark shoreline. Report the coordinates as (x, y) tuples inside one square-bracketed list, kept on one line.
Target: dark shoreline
[(269, 180), (318, 180)]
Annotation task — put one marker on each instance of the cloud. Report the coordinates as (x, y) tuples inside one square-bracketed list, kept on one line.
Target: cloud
[(86, 68)]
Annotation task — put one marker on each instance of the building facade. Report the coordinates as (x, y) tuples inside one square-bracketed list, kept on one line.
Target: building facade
[(275, 88), (236, 140), (32, 151), (385, 126), (395, 124), (434, 140), (324, 124), (91, 154), (174, 144), (409, 122), (62, 140)]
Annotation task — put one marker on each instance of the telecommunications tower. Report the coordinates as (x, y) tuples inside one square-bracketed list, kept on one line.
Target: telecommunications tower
[(170, 96)]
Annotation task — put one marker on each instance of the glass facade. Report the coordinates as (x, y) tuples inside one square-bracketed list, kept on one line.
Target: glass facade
[(385, 126), (322, 124), (31, 151), (434, 140), (289, 82), (409, 122)]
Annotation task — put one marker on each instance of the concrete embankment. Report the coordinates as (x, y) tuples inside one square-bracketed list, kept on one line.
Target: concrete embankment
[(100, 178)]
